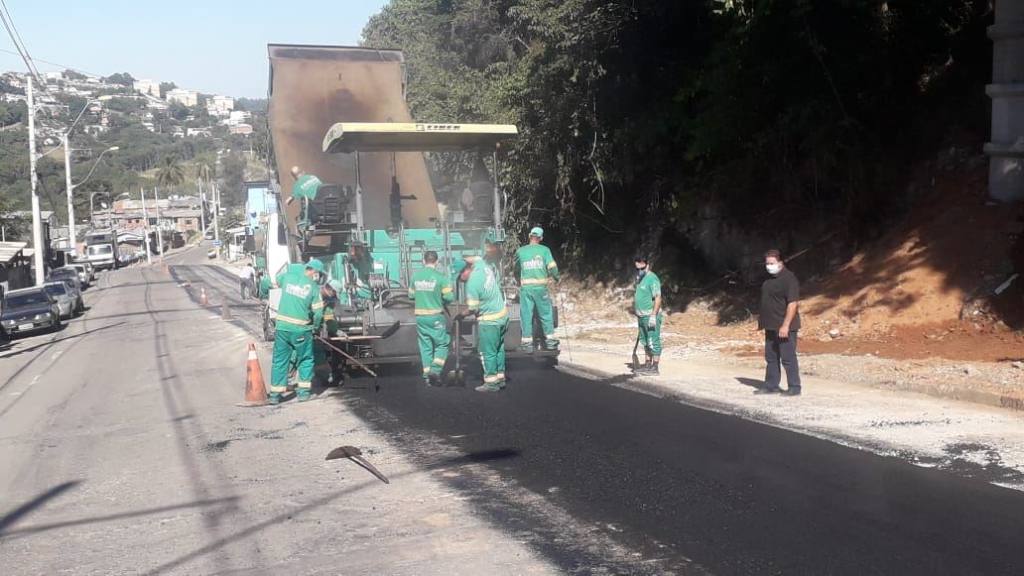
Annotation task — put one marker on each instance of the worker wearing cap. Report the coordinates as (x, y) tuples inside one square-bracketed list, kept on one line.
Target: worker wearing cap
[(299, 315), (486, 303), (647, 306), (305, 188), (430, 290), (322, 366), (537, 268)]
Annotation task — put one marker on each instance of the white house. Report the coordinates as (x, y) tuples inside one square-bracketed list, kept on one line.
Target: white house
[(147, 87), (188, 98), (220, 106), (237, 117)]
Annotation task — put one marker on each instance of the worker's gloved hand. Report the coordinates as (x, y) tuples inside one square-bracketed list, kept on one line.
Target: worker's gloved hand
[(652, 321)]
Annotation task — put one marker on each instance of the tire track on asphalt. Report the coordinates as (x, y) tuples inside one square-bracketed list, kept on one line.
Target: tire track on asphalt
[(246, 315), (177, 405)]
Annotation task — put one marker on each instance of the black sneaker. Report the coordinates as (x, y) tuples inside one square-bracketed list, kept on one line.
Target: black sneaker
[(434, 380), (765, 391), (791, 392)]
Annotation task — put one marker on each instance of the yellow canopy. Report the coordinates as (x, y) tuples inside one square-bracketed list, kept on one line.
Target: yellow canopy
[(414, 137)]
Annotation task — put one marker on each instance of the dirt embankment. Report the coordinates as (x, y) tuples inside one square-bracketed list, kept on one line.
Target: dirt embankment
[(936, 285)]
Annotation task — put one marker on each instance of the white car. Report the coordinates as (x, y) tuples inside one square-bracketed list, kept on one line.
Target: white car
[(83, 273), (64, 294)]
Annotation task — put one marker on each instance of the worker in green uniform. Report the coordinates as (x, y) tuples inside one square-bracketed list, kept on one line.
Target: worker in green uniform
[(536, 270), (486, 302), (299, 315), (430, 290), (305, 188), (322, 358), (647, 306)]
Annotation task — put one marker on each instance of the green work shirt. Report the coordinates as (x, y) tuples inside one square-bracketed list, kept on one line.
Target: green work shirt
[(306, 187), (536, 265), (430, 290), (647, 289), (300, 308), (483, 293)]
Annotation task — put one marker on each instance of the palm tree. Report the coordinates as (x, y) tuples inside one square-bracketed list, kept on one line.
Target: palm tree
[(170, 173), (204, 172)]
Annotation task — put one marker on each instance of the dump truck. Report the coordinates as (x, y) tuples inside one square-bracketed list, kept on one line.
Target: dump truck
[(339, 113)]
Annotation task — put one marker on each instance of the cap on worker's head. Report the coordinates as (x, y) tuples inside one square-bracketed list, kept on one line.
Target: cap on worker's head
[(316, 265), (537, 231), (640, 258)]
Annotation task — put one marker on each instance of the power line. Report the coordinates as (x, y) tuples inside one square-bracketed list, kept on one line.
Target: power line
[(19, 45), (57, 64)]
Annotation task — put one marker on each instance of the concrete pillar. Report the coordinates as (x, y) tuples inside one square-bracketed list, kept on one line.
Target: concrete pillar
[(1006, 147)]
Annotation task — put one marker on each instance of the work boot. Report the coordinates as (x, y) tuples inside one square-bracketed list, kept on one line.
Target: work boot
[(643, 368), (490, 387), (434, 379), (651, 370), (526, 347), (791, 392), (551, 344), (764, 391), (274, 399), (304, 395)]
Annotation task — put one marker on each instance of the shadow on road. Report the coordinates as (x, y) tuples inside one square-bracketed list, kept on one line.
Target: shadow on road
[(19, 512), (752, 382), (18, 351), (12, 534)]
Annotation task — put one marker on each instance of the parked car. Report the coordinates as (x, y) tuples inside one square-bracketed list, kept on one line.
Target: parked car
[(29, 310), (70, 274), (83, 274), (64, 293)]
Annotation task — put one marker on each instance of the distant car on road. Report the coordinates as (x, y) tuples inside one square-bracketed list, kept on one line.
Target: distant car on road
[(64, 293), (211, 253), (83, 273), (71, 274), (29, 310)]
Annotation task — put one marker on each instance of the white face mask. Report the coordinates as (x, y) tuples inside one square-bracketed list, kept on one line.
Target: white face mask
[(773, 269)]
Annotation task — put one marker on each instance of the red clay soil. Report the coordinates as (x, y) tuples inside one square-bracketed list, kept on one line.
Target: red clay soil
[(926, 289)]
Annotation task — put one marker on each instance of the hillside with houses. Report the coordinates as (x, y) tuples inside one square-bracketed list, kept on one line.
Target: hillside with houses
[(161, 138)]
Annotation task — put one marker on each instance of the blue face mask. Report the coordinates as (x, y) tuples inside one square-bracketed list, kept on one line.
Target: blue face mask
[(640, 273)]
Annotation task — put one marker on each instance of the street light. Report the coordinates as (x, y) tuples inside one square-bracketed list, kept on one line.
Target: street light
[(71, 187)]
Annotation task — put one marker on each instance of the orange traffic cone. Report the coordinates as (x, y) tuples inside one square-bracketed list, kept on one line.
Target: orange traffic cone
[(202, 296), (255, 388)]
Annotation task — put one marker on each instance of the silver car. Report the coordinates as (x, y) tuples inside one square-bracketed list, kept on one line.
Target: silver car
[(63, 292)]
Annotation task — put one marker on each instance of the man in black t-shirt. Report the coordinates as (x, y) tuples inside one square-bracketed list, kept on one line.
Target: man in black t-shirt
[(780, 320)]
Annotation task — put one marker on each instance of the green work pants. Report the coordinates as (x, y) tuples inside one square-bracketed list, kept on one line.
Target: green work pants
[(650, 337), (536, 299), (286, 343), (492, 350), (433, 339)]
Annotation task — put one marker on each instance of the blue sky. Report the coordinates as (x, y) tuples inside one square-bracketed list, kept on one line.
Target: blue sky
[(211, 46)]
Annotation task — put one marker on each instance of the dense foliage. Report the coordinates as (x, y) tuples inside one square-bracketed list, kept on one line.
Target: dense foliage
[(640, 119)]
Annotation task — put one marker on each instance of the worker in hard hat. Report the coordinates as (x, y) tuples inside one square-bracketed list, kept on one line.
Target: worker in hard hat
[(299, 316), (537, 268), (486, 303), (430, 291), (647, 306)]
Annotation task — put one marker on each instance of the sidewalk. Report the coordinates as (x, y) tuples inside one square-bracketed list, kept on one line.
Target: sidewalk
[(967, 439)]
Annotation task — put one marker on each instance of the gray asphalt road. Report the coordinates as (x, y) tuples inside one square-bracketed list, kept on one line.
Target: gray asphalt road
[(682, 485), (116, 432)]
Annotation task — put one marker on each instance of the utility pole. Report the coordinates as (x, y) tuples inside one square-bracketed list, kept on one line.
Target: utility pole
[(70, 188), (145, 230), (216, 213), (202, 212), (37, 219), (159, 233)]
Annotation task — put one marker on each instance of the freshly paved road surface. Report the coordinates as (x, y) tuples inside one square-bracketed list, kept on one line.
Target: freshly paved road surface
[(597, 477)]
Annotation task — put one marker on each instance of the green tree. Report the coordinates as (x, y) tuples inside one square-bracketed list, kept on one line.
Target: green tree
[(170, 173), (166, 87), (122, 78)]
